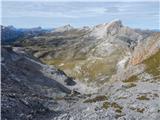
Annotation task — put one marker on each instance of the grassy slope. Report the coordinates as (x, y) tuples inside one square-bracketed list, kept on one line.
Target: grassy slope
[(93, 68), (153, 65)]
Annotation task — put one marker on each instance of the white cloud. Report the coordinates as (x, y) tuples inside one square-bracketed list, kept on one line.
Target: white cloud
[(11, 10), (62, 10)]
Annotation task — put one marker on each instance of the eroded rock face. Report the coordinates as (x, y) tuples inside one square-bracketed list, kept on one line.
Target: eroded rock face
[(105, 29), (146, 49)]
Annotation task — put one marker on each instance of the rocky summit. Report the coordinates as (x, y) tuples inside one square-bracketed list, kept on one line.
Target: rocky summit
[(105, 72)]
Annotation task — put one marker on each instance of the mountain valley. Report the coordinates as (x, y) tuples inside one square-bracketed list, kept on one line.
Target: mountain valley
[(105, 72)]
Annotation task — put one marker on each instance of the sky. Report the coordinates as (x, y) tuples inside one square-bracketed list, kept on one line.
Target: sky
[(51, 14)]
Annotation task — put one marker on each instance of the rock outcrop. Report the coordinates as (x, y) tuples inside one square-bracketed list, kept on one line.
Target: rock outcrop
[(64, 28), (146, 49)]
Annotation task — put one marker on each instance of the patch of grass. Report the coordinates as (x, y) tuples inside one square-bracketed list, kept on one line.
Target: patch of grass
[(88, 69), (155, 95), (119, 115), (140, 110), (118, 108), (122, 97), (96, 99), (115, 105), (58, 62), (133, 78), (153, 64), (143, 97), (130, 85), (106, 105), (68, 66)]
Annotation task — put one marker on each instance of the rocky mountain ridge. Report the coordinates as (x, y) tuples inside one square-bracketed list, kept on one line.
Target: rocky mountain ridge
[(84, 53)]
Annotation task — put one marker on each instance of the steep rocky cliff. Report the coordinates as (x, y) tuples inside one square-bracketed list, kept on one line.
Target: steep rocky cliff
[(146, 49)]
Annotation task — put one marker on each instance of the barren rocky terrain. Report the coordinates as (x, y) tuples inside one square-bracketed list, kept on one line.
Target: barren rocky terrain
[(105, 72)]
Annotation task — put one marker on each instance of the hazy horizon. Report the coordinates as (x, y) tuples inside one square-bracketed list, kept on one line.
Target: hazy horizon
[(144, 15)]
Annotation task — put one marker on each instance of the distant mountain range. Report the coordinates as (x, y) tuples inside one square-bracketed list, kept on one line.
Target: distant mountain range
[(10, 34)]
